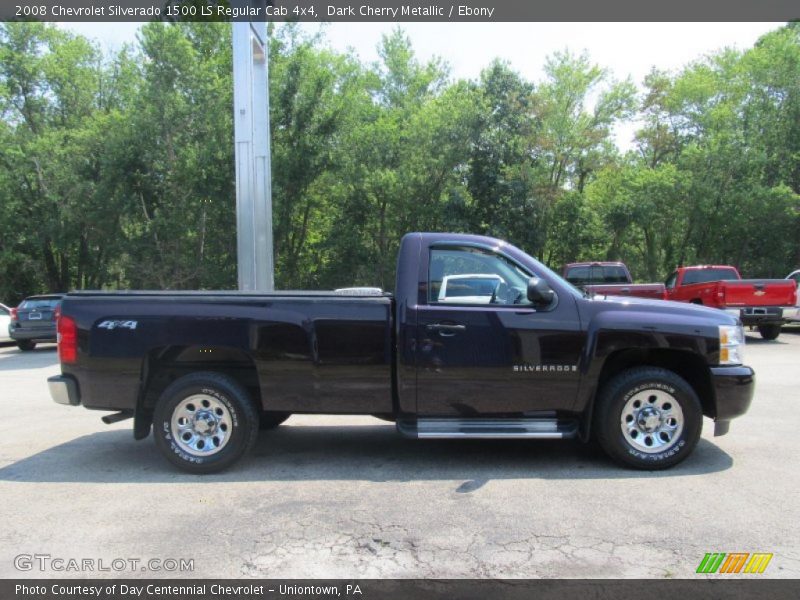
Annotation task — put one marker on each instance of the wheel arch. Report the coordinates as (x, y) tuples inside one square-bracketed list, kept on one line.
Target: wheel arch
[(163, 365), (688, 365)]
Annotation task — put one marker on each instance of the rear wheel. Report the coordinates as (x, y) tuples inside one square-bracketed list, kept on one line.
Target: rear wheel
[(769, 332), (26, 345), (648, 418), (204, 422)]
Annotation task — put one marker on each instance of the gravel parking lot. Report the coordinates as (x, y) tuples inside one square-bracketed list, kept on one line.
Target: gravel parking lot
[(347, 497)]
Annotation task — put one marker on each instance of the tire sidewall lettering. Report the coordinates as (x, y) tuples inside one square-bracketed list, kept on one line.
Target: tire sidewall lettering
[(679, 445), (166, 431)]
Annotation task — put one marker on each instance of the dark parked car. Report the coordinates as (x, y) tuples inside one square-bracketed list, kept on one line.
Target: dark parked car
[(34, 320)]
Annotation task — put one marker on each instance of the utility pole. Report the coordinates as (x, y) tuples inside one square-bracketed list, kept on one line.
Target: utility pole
[(254, 246)]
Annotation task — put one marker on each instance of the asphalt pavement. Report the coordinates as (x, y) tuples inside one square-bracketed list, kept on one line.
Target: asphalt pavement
[(347, 497)]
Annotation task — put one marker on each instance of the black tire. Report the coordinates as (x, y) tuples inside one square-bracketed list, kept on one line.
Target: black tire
[(769, 332), (608, 417), (228, 394), (26, 345), (271, 419)]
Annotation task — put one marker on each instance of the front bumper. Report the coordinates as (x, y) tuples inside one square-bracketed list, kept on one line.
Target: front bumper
[(64, 390), (733, 391)]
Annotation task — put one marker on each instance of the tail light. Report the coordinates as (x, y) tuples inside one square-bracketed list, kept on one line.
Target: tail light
[(57, 314), (14, 315), (67, 340)]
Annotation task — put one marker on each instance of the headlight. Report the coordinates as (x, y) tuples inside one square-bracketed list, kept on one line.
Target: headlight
[(731, 344)]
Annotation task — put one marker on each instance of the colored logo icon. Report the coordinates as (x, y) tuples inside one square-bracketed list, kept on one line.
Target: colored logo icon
[(734, 562)]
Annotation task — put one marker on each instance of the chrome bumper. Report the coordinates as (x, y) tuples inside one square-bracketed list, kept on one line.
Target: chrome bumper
[(64, 390)]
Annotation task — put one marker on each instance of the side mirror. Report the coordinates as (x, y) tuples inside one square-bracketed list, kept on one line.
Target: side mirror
[(539, 292)]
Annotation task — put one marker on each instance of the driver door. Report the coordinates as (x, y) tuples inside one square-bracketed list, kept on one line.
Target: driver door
[(483, 349)]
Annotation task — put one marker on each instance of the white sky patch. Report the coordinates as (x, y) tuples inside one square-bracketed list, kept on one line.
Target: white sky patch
[(625, 49)]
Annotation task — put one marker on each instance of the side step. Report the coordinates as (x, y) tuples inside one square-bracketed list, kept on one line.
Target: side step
[(489, 428)]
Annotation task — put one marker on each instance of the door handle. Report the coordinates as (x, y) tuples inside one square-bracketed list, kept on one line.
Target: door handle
[(446, 329)]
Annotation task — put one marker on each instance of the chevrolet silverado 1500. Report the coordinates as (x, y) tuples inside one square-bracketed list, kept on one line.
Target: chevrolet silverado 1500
[(756, 302), (479, 340)]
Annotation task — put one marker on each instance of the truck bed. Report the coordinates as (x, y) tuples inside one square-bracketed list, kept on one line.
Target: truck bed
[(324, 351)]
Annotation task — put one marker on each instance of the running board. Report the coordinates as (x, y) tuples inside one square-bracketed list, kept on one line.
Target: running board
[(489, 428)]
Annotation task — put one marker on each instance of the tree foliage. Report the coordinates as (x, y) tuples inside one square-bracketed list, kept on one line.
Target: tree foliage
[(117, 170)]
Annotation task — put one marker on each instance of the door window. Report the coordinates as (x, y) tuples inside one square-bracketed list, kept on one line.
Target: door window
[(475, 276)]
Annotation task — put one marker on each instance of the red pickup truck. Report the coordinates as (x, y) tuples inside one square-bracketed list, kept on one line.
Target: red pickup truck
[(610, 279), (757, 302)]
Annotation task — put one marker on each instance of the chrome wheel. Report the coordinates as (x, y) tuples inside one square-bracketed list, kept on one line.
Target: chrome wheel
[(201, 425), (652, 421)]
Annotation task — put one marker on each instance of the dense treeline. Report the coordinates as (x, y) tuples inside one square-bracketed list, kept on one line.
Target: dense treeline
[(117, 171)]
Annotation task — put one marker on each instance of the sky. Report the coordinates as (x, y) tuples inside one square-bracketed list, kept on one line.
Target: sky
[(625, 49)]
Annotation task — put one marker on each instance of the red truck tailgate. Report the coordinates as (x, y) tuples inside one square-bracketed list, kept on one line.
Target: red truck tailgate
[(759, 292)]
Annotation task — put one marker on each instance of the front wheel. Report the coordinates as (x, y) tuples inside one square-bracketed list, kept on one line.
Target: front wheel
[(204, 422), (648, 418), (769, 332)]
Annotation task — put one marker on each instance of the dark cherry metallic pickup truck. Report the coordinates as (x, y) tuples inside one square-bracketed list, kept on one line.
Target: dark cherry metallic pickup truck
[(479, 341)]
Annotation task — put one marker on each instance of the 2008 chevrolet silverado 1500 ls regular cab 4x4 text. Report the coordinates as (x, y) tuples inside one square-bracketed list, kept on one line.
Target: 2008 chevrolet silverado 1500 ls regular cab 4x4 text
[(479, 341)]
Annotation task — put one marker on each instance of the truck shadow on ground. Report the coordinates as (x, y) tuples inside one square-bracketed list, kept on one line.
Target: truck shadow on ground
[(347, 453), (757, 340)]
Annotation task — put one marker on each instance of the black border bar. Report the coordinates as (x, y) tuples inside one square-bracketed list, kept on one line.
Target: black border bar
[(727, 587), (400, 11)]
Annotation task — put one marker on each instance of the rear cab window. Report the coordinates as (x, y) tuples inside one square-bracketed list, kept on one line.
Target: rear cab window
[(591, 274), (609, 274), (708, 275), (578, 275)]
